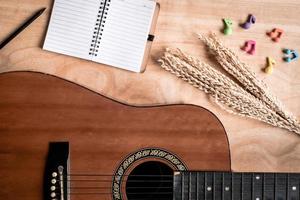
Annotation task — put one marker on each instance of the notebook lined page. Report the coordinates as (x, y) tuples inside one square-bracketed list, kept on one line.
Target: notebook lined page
[(125, 33), (71, 27)]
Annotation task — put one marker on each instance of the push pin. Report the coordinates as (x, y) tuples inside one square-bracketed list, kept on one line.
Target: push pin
[(250, 47), (251, 20), (290, 55), (270, 65), (275, 34), (227, 26)]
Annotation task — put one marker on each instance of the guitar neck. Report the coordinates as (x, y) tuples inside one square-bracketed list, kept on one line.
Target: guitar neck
[(237, 186)]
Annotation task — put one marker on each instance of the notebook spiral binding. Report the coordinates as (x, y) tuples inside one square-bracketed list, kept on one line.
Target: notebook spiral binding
[(99, 27)]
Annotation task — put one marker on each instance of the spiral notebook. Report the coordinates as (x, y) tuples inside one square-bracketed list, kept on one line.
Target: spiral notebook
[(112, 32)]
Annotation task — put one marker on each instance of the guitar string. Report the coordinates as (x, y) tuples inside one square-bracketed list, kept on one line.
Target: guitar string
[(110, 193), (133, 181), (127, 193), (113, 175), (109, 188), (141, 198), (151, 198), (102, 188), (57, 192)]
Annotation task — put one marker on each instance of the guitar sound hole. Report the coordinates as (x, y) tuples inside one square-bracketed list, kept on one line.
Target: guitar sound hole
[(150, 180)]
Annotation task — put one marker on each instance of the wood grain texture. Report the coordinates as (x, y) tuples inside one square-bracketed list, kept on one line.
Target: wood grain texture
[(254, 146), (101, 133)]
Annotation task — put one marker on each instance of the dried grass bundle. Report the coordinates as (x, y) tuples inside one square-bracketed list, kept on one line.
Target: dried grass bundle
[(254, 100), (232, 64)]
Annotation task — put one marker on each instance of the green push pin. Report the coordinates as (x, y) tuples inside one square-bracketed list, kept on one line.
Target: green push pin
[(228, 26)]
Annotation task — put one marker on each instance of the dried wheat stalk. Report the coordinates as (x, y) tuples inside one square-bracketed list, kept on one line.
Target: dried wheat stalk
[(226, 93), (232, 64)]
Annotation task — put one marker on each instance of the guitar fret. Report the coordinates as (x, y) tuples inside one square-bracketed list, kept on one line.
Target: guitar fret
[(185, 185), (193, 186), (205, 185), (293, 186), (218, 186), (280, 186), (257, 186), (197, 187), (182, 186), (236, 186), (287, 185), (269, 186), (200, 186), (227, 186), (177, 186), (190, 186), (247, 186), (208, 186)]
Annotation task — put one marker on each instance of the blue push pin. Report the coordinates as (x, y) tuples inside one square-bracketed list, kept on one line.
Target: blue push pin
[(290, 55)]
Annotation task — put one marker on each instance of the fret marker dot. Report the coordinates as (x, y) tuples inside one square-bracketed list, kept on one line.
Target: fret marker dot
[(257, 198), (257, 177), (227, 188), (294, 188), (208, 188)]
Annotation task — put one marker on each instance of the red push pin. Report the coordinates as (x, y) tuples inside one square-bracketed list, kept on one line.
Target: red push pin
[(250, 47)]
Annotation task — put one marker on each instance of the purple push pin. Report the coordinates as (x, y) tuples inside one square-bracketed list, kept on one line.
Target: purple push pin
[(251, 20)]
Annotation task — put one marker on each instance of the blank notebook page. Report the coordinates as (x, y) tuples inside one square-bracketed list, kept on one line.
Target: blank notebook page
[(71, 27), (125, 32)]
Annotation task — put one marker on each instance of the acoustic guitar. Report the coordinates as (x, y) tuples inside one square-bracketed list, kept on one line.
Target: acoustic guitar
[(60, 141)]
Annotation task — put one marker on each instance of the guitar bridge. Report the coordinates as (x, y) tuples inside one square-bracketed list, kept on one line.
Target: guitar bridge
[(56, 172)]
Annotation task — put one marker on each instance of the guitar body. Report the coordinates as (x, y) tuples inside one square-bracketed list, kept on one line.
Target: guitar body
[(105, 137)]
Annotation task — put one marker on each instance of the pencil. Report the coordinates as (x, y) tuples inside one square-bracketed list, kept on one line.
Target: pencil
[(22, 27)]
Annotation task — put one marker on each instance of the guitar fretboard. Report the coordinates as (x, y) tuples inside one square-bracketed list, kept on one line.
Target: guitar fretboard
[(236, 186)]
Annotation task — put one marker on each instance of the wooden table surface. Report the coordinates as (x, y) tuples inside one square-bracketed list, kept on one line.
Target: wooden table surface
[(255, 146)]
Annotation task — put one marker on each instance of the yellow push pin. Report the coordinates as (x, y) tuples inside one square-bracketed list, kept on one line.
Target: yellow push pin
[(270, 64)]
